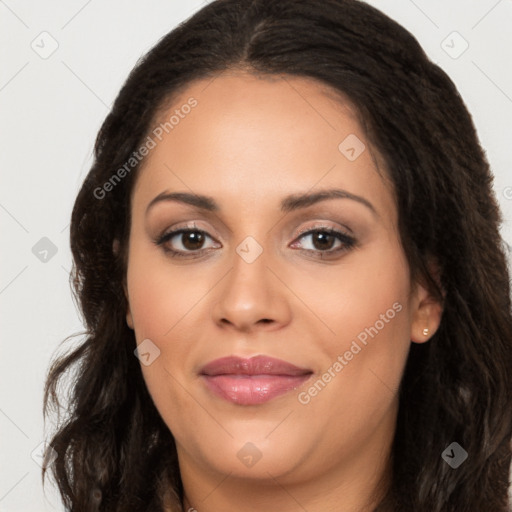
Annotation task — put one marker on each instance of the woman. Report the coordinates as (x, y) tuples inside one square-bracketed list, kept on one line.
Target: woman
[(288, 258)]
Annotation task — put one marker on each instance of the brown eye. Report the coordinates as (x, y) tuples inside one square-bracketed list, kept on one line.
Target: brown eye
[(192, 240), (183, 242), (323, 240)]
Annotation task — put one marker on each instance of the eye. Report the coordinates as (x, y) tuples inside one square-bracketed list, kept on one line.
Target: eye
[(323, 240), (182, 241), (189, 242)]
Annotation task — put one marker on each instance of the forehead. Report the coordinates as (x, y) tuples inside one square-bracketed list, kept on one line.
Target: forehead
[(256, 138)]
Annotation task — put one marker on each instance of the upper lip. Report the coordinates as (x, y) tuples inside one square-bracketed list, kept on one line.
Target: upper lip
[(257, 365)]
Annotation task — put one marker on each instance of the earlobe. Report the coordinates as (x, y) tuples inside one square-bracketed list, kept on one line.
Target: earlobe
[(129, 317), (426, 316)]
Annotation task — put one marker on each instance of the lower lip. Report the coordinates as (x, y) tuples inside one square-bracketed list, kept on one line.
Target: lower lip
[(253, 389)]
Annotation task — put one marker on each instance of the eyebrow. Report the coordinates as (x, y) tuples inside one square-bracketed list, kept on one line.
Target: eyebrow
[(288, 204)]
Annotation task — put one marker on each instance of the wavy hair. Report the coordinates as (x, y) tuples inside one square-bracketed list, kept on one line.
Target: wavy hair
[(115, 453)]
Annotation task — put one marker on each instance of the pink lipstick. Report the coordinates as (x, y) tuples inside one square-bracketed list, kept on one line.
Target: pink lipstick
[(252, 381)]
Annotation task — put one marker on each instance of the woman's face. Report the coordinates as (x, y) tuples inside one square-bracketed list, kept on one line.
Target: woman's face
[(260, 274)]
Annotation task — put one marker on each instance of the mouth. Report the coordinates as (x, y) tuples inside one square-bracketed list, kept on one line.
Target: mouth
[(252, 381)]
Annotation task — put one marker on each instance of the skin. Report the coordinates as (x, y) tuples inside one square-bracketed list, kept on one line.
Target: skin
[(248, 143)]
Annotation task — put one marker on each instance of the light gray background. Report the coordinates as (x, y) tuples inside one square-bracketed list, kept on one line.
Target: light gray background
[(51, 110)]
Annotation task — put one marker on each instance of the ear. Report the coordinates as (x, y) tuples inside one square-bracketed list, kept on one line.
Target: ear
[(427, 311), (129, 318)]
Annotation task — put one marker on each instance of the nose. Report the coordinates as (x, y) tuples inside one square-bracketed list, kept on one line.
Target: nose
[(252, 296)]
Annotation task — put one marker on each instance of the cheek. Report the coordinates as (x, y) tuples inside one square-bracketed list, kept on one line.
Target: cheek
[(364, 297), (160, 295), (165, 304), (366, 306)]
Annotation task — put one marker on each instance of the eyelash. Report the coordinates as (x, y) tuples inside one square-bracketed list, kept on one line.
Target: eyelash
[(348, 241)]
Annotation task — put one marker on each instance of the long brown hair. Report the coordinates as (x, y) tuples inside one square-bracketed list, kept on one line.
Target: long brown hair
[(115, 453)]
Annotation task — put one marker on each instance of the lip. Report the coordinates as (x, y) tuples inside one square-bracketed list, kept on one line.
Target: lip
[(252, 381)]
